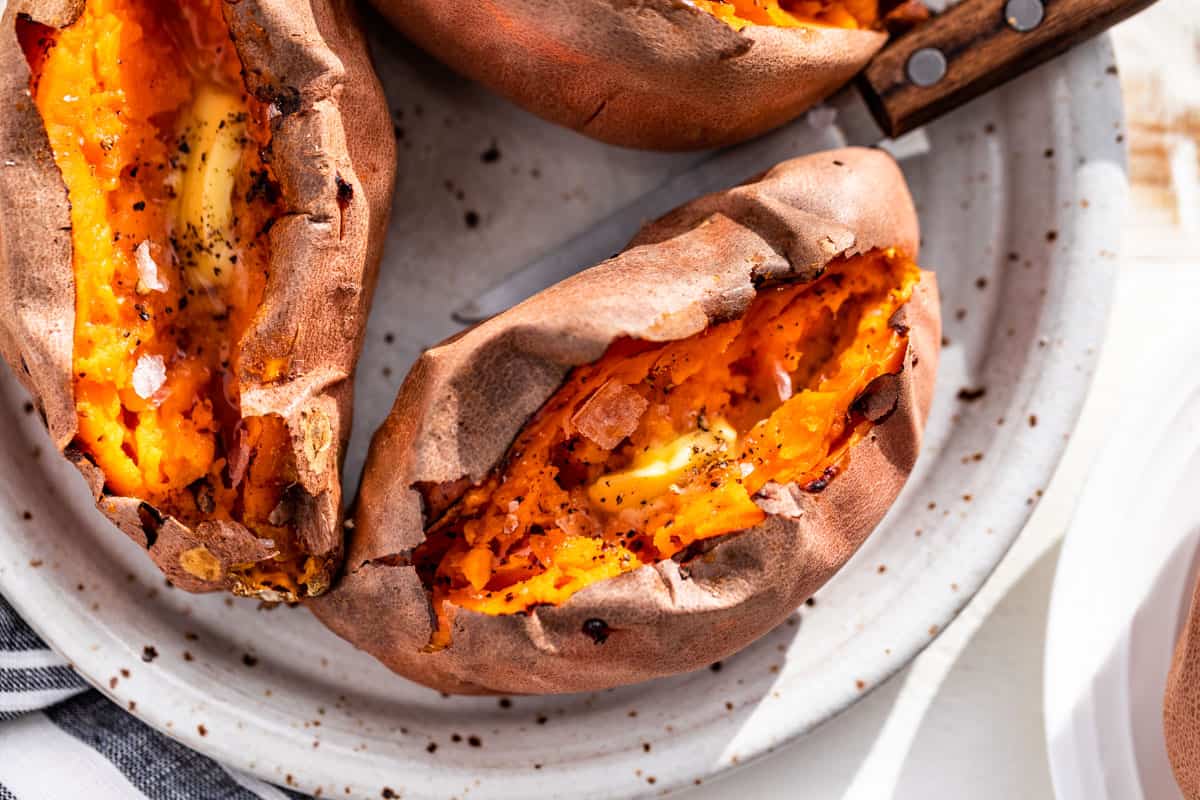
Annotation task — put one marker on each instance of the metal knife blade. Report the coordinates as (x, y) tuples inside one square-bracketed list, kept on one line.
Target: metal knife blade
[(843, 120)]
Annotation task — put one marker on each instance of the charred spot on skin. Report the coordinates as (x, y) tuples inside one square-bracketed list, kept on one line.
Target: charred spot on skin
[(597, 630), (345, 192), (151, 519), (149, 653), (286, 99), (202, 491), (822, 483)]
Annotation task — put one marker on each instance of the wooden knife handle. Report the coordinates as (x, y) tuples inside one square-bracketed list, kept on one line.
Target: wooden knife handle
[(981, 46)]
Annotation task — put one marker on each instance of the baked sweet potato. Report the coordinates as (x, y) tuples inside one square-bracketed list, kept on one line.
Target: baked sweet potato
[(190, 236), (1181, 705), (659, 74), (648, 466)]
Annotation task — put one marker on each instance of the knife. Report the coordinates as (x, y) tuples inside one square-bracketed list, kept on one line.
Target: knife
[(955, 57)]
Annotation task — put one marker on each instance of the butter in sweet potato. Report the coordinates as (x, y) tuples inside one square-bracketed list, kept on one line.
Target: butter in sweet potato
[(160, 147), (657, 446)]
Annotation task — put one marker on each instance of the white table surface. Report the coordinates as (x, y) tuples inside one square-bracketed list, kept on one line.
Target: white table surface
[(965, 718)]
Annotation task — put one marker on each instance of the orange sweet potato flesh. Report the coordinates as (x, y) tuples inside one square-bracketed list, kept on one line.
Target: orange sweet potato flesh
[(114, 90), (852, 14), (765, 399)]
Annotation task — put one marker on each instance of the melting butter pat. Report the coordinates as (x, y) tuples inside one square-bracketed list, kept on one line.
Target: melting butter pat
[(653, 472), (215, 135)]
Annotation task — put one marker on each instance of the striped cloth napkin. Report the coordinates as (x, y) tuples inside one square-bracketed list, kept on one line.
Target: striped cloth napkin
[(60, 739)]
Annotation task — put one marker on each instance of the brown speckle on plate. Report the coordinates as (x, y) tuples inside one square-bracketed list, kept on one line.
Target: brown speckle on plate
[(969, 394), (200, 729), (149, 653)]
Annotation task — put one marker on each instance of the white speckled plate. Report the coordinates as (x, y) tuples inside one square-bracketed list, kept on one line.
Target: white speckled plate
[(1021, 199)]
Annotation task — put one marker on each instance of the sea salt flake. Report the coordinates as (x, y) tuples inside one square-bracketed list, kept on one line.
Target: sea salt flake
[(149, 376), (147, 267), (783, 383)]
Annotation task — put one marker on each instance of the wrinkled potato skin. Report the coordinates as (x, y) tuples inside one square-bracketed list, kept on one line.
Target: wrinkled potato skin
[(466, 399), (308, 57), (656, 74), (1181, 705)]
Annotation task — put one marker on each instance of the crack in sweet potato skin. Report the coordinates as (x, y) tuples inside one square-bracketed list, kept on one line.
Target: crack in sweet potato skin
[(115, 90), (851, 14), (762, 400)]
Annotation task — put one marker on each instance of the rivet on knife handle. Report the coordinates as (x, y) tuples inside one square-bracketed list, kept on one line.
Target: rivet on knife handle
[(974, 47)]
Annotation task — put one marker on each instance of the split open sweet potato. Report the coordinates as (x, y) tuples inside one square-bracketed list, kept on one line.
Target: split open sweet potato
[(190, 236), (646, 467), (659, 74)]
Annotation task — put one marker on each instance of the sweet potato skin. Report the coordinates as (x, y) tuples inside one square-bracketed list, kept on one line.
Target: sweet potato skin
[(656, 74), (1181, 704), (466, 399), (333, 131)]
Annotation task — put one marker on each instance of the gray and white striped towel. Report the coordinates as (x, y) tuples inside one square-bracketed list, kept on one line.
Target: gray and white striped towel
[(60, 739)]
